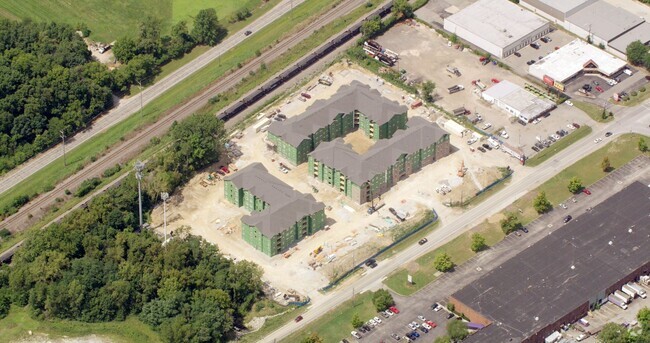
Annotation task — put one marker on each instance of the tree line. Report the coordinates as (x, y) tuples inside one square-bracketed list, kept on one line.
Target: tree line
[(49, 84), (97, 265)]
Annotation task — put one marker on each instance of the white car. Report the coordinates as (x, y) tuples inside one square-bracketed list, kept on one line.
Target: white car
[(426, 326), (412, 326), (415, 324), (581, 337), (377, 320), (535, 121), (504, 134), (568, 102), (570, 126), (355, 334), (389, 313), (597, 140), (487, 126), (422, 318)]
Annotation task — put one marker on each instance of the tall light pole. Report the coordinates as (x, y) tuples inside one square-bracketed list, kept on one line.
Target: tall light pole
[(139, 167), (63, 139), (164, 196)]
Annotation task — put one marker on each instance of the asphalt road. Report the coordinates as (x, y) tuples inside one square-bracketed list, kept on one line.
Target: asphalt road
[(132, 146), (127, 107), (634, 119), (444, 286)]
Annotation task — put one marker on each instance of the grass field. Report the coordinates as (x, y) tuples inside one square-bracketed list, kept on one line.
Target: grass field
[(110, 20), (640, 97), (549, 152), (15, 326), (593, 111), (336, 324), (422, 269), (619, 152), (302, 14)]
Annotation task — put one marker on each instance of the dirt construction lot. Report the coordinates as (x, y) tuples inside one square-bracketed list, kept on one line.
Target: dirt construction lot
[(353, 235), (426, 54)]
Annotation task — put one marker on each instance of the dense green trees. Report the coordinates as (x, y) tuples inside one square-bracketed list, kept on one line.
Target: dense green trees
[(478, 242), (510, 223), (638, 54), (457, 330), (96, 265), (442, 262), (575, 185), (207, 29), (48, 84), (541, 203), (382, 299)]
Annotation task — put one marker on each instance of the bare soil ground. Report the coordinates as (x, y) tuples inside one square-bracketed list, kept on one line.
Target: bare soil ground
[(353, 235)]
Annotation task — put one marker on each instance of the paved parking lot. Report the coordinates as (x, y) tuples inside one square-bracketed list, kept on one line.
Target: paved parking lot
[(426, 55), (558, 38), (441, 288)]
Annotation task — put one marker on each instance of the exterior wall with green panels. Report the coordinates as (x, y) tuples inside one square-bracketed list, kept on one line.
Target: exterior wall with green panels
[(253, 203), (233, 194), (254, 237), (285, 149)]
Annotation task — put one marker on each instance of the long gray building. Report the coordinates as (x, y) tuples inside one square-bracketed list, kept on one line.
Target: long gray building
[(559, 279)]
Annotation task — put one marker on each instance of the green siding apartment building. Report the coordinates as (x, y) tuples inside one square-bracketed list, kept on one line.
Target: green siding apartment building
[(353, 107), (365, 177), (280, 216)]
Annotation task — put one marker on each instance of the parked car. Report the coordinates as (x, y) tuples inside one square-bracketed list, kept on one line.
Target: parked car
[(545, 39), (436, 307), (481, 149), (517, 54), (355, 334), (576, 125), (433, 325), (607, 134), (524, 229), (600, 89), (384, 314), (531, 62), (423, 329), (421, 317), (394, 309), (423, 241), (389, 313), (567, 219), (586, 191), (535, 45), (450, 315), (596, 83), (395, 337), (377, 320), (568, 102)]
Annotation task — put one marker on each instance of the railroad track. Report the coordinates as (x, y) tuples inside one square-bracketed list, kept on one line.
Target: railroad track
[(132, 146)]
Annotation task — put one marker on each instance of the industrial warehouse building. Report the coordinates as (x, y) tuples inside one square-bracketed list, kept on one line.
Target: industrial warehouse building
[(572, 60), (280, 216), (594, 20), (354, 106), (497, 26), (516, 101), (560, 278), (365, 177)]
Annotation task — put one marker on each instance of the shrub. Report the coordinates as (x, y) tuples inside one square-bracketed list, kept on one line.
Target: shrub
[(634, 93), (442, 262), (642, 89), (87, 186), (382, 299), (112, 170), (4, 233)]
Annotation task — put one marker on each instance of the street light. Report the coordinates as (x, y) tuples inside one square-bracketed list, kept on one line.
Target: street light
[(164, 196), (139, 167), (63, 138)]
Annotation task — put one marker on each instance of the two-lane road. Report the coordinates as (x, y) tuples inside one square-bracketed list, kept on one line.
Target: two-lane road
[(634, 119), (127, 107)]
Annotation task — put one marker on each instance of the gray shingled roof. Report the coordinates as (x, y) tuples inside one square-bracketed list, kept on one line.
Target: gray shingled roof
[(286, 205), (361, 168), (355, 96), (604, 20), (564, 270)]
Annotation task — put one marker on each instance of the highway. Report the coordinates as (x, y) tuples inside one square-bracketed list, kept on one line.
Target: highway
[(127, 107), (636, 119), (129, 148)]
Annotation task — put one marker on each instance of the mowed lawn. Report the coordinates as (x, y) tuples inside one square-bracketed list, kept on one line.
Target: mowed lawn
[(16, 325), (110, 20), (337, 323), (619, 151)]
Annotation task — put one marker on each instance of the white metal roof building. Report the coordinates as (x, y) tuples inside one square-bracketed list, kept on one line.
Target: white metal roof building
[(556, 10), (497, 26), (594, 20), (516, 101), (571, 59)]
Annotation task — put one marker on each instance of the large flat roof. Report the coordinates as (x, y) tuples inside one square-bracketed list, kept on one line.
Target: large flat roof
[(564, 270), (498, 21), (420, 134), (518, 98), (570, 59), (604, 20), (286, 205), (639, 33), (563, 6), (355, 96)]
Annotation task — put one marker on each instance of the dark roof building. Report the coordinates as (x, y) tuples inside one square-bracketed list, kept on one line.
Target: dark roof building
[(558, 279), (280, 215)]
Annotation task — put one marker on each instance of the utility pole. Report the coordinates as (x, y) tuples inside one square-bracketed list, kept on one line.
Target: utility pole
[(164, 196), (63, 139), (139, 167)]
